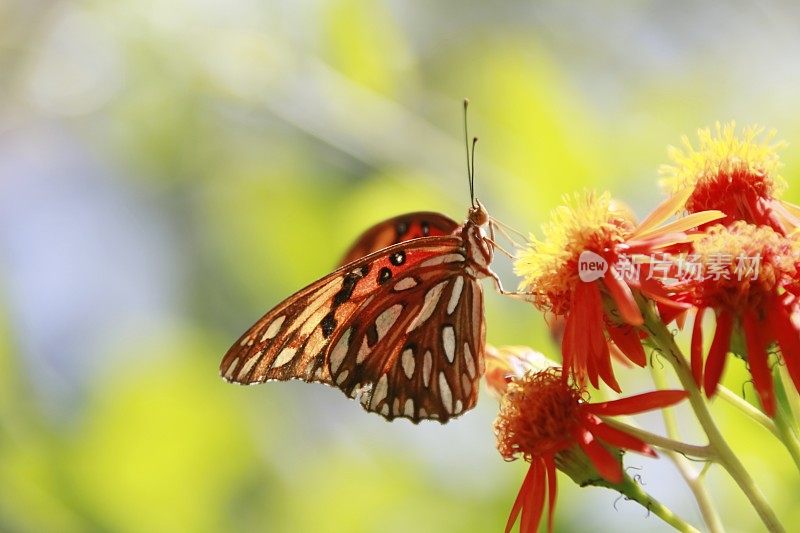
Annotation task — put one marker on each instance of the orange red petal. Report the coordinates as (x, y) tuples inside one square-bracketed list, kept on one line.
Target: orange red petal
[(623, 297), (606, 464), (627, 339), (715, 362), (522, 495), (532, 512), (697, 347), (662, 212), (786, 333), (638, 403), (552, 492), (618, 438), (757, 360)]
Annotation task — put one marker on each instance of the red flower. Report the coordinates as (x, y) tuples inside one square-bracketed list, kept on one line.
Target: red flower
[(598, 304), (752, 289), (735, 174), (543, 419)]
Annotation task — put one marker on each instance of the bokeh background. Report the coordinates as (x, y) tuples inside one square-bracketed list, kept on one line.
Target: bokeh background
[(171, 169)]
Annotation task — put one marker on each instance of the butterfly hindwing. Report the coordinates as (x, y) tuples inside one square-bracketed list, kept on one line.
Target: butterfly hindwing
[(292, 341), (418, 352), (399, 229)]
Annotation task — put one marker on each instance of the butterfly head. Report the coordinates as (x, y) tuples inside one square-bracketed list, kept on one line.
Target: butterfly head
[(478, 214)]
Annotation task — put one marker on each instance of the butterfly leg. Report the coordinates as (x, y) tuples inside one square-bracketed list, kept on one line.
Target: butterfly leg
[(517, 295), (501, 228), (502, 250)]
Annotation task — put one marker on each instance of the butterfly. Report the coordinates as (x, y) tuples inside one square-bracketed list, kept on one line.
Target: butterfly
[(398, 327)]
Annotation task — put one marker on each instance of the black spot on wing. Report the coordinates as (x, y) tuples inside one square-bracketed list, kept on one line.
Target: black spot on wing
[(328, 325), (372, 335), (401, 228), (398, 258), (349, 283)]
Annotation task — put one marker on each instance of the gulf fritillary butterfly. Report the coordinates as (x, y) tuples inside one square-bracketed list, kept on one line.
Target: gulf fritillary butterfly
[(399, 327)]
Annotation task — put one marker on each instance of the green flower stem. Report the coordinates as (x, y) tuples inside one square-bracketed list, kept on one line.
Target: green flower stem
[(633, 491), (747, 409), (576, 464), (785, 421), (693, 479), (724, 454), (699, 452), (791, 395)]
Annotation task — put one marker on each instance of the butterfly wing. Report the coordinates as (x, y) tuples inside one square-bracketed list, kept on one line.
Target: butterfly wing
[(417, 352), (399, 229), (292, 340)]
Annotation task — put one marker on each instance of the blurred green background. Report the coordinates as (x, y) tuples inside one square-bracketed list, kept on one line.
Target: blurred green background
[(170, 169)]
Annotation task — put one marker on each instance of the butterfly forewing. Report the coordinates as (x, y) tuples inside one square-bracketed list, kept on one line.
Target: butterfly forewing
[(399, 327), (418, 352), (293, 340), (399, 229)]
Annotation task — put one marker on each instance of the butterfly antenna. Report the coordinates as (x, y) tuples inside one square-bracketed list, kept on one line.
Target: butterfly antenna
[(470, 159), (472, 190)]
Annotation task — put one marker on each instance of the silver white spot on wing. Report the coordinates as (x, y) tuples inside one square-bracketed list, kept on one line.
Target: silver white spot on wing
[(458, 408), (231, 368), (387, 319), (455, 296), (428, 306), (405, 284), (380, 390), (469, 360), (340, 350), (407, 360), (427, 364), (422, 412), (341, 377), (396, 406), (273, 328), (248, 366), (363, 351), (385, 409), (441, 259), (444, 391), (409, 408), (449, 342), (286, 355)]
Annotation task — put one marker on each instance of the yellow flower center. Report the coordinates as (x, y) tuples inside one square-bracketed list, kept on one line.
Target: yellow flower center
[(726, 169), (549, 267), (538, 416)]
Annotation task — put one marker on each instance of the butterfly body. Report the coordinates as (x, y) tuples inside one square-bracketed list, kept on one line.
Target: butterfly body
[(400, 329)]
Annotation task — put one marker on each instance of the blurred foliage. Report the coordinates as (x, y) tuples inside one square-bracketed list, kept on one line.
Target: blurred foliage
[(244, 144)]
